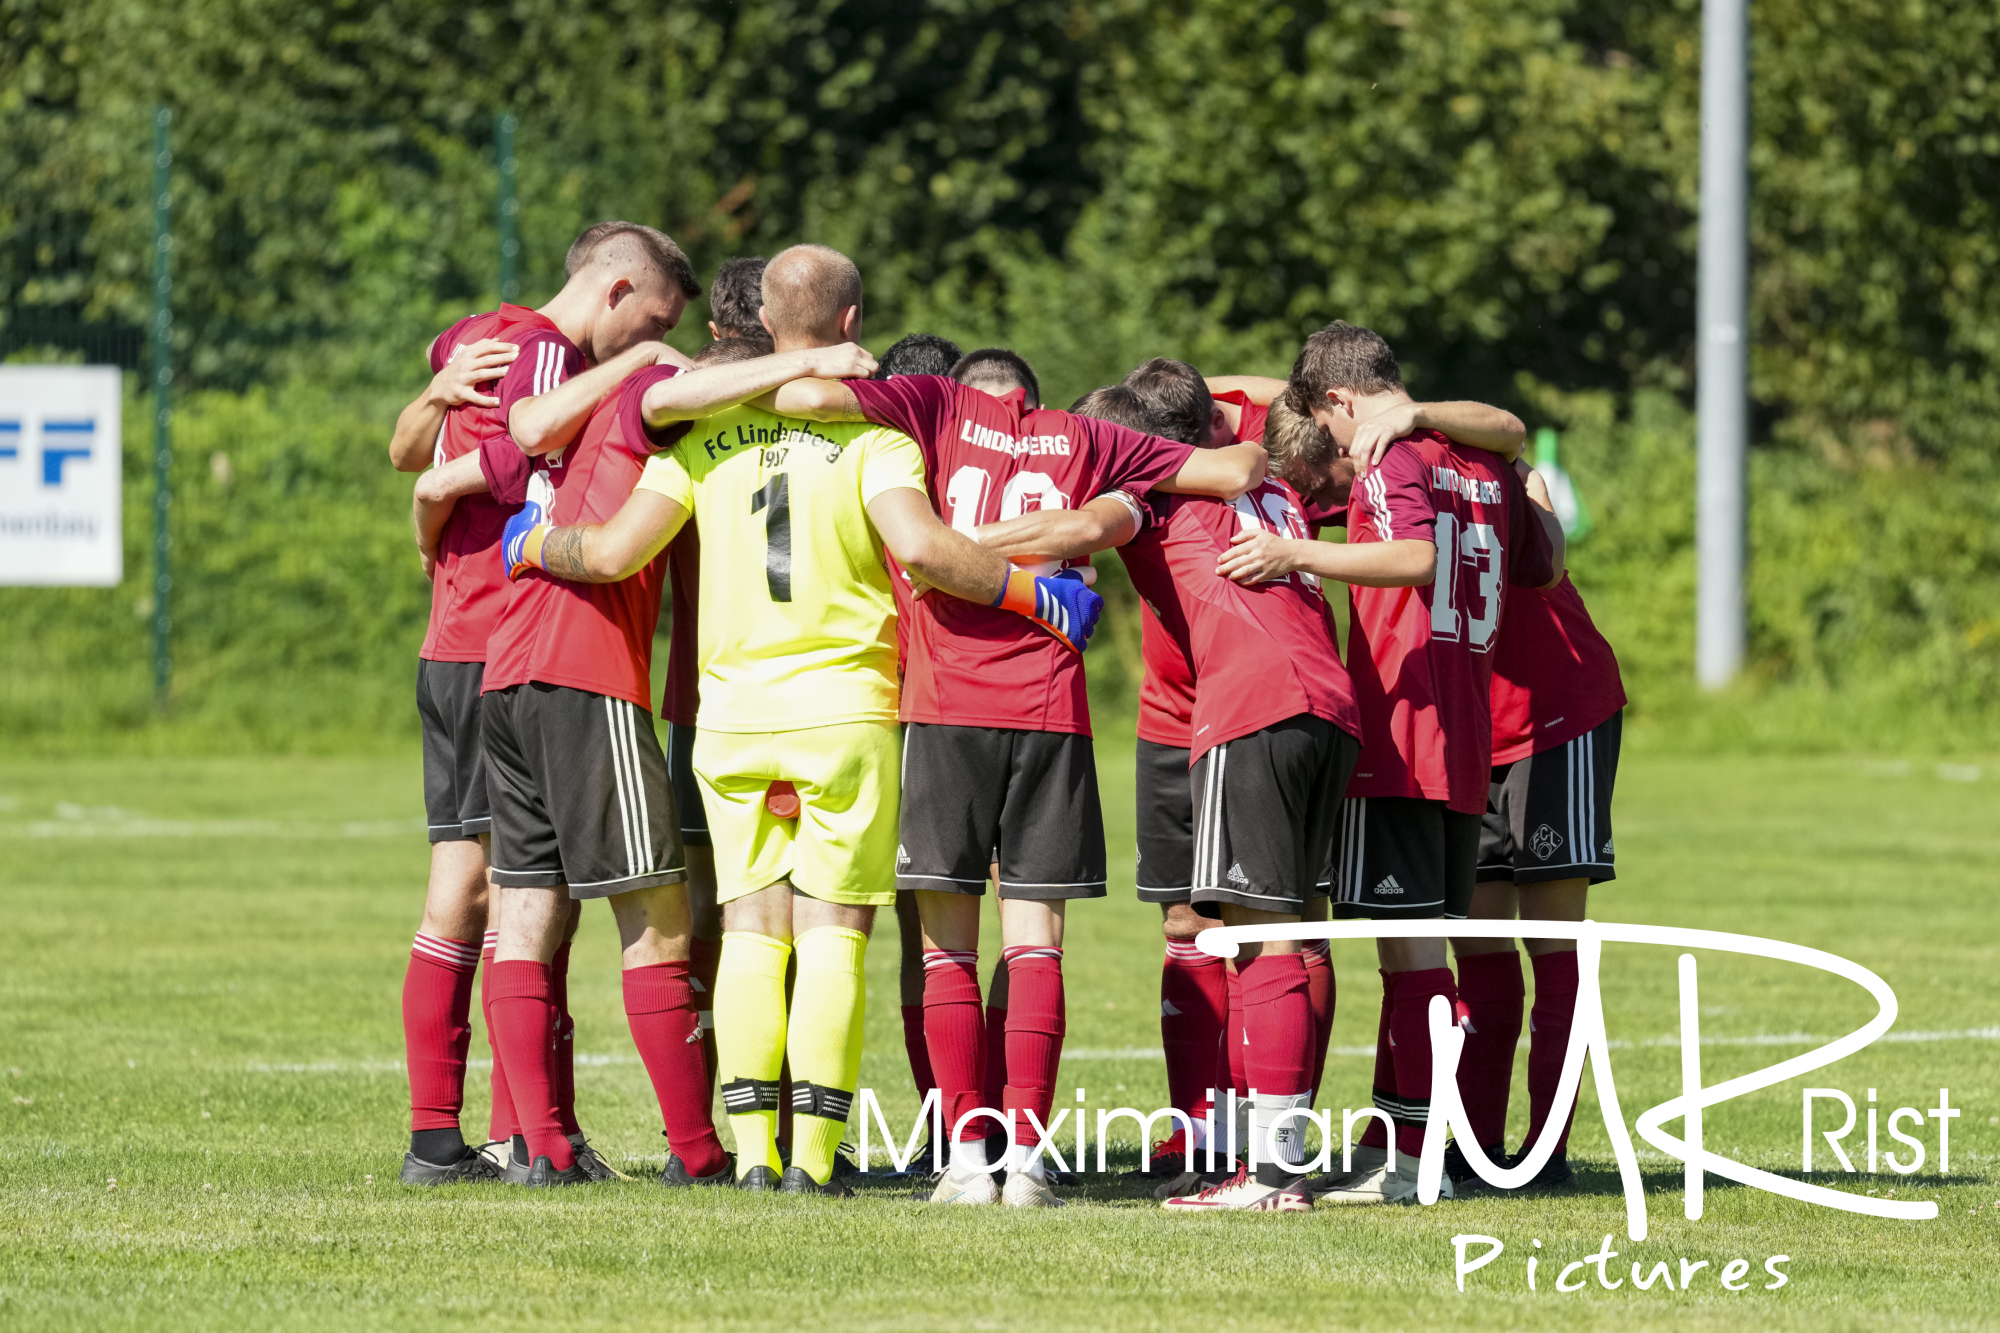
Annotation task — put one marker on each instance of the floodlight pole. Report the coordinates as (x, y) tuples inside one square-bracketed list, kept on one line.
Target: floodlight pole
[(1722, 317), (504, 125), (163, 378)]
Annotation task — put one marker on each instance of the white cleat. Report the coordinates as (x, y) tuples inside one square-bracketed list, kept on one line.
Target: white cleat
[(976, 1188), (1242, 1194), (1026, 1191), (1394, 1181)]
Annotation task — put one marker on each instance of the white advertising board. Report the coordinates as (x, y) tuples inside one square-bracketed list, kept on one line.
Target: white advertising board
[(60, 473)]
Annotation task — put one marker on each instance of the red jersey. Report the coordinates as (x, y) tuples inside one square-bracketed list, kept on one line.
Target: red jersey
[(547, 359), (588, 636), (1261, 653), (469, 587), (1554, 676), (1422, 658), (988, 459), (1166, 692), (683, 692)]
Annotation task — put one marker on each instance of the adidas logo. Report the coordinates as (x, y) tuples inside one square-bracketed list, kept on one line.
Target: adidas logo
[(1389, 886), (1236, 875), (902, 857), (1607, 848)]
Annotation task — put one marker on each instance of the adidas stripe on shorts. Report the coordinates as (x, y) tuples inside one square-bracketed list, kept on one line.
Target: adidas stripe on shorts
[(1264, 811), (579, 793), (1398, 857), (1548, 816)]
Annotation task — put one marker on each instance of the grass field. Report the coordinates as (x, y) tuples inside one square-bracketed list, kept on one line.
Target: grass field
[(199, 989)]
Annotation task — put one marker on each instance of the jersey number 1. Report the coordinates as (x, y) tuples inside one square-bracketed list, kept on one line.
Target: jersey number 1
[(774, 502)]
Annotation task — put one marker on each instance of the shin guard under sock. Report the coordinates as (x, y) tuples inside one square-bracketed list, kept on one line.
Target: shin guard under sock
[(500, 1116), (524, 1018), (1318, 956), (955, 1036), (660, 1008), (1489, 996), (824, 1042), (1375, 1135), (437, 1030), (1410, 1032), (750, 1042), (703, 957), (1034, 1040), (1194, 1009), (565, 1040), (1554, 1012)]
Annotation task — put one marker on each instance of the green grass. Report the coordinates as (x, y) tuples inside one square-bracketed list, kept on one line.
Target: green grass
[(208, 1015)]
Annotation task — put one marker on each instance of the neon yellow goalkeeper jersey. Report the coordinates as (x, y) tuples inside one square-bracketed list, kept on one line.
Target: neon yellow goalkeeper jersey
[(797, 619)]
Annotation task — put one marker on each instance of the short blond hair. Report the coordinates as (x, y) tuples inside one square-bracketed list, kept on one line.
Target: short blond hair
[(1295, 442), (805, 288)]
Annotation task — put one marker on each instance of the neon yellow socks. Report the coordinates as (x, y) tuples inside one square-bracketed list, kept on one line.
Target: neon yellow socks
[(750, 1041), (825, 1041)]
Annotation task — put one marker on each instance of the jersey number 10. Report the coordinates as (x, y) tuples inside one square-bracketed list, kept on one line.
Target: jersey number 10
[(966, 492)]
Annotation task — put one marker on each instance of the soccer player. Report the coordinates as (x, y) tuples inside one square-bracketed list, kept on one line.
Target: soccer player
[(735, 297), (1272, 742), (919, 354), (799, 688), (1453, 524), (468, 586), (1545, 839), (997, 758)]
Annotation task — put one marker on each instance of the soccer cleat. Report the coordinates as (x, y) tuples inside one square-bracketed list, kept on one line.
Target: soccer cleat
[(1364, 1161), (543, 1175), (922, 1164), (1393, 1182), (1460, 1170), (1029, 1191), (1555, 1174), (676, 1176), (470, 1169), (497, 1151), (758, 1180), (594, 1165), (1244, 1193), (797, 1181), (976, 1188), (1168, 1160)]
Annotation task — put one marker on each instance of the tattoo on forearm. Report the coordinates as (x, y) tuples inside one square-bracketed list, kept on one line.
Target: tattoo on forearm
[(850, 406), (562, 554)]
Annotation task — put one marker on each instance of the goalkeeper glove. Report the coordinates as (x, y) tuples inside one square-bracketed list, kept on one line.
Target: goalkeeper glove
[(1060, 603), (521, 540)]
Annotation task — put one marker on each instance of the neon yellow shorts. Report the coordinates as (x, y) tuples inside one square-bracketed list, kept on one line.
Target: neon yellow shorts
[(842, 846)]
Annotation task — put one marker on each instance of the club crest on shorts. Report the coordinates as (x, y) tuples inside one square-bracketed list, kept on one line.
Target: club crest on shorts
[(1546, 843)]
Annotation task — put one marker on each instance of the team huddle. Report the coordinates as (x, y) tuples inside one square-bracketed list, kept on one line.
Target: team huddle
[(875, 697)]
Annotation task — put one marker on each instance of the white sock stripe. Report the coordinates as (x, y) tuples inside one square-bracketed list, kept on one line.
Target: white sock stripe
[(492, 940), (452, 953), (1021, 951)]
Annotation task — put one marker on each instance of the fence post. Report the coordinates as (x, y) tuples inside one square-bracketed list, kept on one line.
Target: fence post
[(163, 375), (510, 245)]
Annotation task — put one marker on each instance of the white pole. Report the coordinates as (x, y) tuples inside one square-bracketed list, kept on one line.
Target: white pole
[(1722, 379)]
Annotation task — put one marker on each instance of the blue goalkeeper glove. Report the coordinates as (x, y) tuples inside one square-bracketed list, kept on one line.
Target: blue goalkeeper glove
[(521, 540), (1060, 603)]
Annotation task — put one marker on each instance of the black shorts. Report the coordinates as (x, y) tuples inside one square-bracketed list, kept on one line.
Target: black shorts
[(1548, 816), (580, 793), (687, 791), (1165, 816), (454, 759), (976, 795), (1398, 857), (1264, 814)]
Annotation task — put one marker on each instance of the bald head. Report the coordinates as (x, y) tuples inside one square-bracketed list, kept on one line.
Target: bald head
[(808, 291)]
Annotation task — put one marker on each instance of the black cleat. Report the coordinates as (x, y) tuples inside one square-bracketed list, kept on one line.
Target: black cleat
[(923, 1165), (843, 1161), (1460, 1170), (594, 1166), (1554, 1175), (796, 1181), (543, 1175), (676, 1176), (469, 1169), (758, 1180)]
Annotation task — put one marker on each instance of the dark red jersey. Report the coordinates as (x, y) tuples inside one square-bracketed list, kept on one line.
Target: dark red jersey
[(1166, 692), (469, 587), (683, 692), (1422, 658), (1554, 676), (1261, 653), (547, 359), (988, 459), (588, 636)]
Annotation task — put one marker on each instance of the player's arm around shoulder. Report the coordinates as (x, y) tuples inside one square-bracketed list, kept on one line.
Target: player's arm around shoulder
[(707, 390), (434, 497), (1224, 473), (413, 446), (1543, 510), (1066, 534), (813, 399), (617, 548), (1481, 426)]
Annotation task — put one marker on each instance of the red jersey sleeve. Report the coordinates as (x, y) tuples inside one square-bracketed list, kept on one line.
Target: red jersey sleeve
[(1533, 562), (1250, 418), (1130, 461), (505, 468), (1394, 501), (443, 345), (923, 407), (546, 360), (637, 437)]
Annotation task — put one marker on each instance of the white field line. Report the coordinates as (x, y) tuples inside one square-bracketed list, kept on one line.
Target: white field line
[(211, 828), (589, 1060)]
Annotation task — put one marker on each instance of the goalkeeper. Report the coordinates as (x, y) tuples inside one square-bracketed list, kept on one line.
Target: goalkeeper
[(798, 690)]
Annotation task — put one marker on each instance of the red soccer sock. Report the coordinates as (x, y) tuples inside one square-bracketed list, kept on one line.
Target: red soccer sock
[(1194, 1008), (1376, 1136), (1278, 1019), (1232, 1035), (1318, 956), (916, 1047), (993, 1068), (704, 956), (1410, 1032), (565, 1041), (437, 1027), (659, 1005), (1034, 1036), (524, 1019), (1549, 1024), (500, 1118), (1489, 1006), (955, 1035)]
